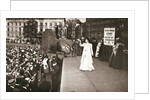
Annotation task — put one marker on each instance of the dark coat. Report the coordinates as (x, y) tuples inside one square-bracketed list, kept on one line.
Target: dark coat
[(116, 59), (9, 89), (45, 86), (94, 46), (34, 85), (55, 76)]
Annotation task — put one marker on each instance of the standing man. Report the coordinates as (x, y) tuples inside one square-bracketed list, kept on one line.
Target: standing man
[(94, 43), (74, 47)]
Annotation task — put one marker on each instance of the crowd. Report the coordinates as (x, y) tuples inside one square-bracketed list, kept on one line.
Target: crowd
[(29, 70), (116, 55), (23, 41)]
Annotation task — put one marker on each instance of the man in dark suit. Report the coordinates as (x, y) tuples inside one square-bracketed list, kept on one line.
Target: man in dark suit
[(94, 43), (55, 73), (45, 86)]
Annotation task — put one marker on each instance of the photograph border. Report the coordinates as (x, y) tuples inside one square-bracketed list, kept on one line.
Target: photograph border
[(130, 14)]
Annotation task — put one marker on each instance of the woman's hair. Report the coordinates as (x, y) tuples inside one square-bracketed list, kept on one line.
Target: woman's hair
[(87, 39)]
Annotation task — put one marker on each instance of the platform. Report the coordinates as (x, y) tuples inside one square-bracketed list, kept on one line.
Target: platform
[(102, 79)]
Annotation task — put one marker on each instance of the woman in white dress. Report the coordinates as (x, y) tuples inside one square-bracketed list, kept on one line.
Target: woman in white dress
[(86, 59)]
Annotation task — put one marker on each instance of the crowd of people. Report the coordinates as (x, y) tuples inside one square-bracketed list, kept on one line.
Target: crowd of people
[(116, 55), (23, 41), (29, 70)]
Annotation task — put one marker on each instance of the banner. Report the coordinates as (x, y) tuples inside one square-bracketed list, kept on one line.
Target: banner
[(109, 36)]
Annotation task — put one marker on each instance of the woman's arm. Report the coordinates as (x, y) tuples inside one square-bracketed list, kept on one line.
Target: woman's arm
[(81, 44)]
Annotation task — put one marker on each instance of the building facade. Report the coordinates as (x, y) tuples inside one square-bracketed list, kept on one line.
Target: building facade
[(14, 26), (95, 27)]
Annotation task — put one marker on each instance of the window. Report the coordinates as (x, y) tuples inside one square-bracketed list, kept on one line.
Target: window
[(41, 24), (8, 29), (19, 34), (8, 34), (8, 23), (13, 35), (19, 28), (50, 24), (60, 24), (16, 29), (41, 29), (56, 23)]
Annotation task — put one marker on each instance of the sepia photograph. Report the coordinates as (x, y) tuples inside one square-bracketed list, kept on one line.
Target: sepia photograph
[(74, 50), (66, 54)]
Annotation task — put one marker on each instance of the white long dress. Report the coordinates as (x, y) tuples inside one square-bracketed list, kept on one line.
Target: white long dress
[(86, 59)]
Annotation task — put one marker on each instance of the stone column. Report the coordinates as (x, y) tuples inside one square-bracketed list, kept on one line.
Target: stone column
[(53, 25), (22, 25), (38, 26), (10, 30), (18, 29), (43, 26), (48, 25)]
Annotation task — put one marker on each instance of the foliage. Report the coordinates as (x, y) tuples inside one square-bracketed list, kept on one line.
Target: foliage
[(71, 27), (49, 41), (30, 29)]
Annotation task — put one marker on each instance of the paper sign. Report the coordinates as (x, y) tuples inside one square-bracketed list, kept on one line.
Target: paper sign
[(109, 36)]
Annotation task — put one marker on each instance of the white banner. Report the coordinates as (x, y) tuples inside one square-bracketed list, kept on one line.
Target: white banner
[(109, 36)]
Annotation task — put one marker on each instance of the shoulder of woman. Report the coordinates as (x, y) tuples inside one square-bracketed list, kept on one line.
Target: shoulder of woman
[(90, 44)]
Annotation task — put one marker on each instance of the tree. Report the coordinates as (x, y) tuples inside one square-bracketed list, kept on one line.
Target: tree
[(71, 27), (49, 41), (30, 29)]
